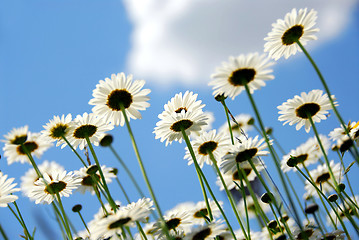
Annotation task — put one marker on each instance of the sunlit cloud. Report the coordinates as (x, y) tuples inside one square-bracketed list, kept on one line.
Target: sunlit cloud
[(185, 40)]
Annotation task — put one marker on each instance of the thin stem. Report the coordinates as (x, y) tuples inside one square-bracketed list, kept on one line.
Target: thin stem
[(127, 171), (32, 161), (66, 223), (144, 174), (185, 137), (329, 95), (3, 234), (83, 221), (228, 120), (297, 219), (111, 201), (123, 190), (22, 220), (74, 150), (233, 205)]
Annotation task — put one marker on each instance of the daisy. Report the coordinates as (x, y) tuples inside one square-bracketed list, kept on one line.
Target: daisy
[(142, 203), (344, 210), (30, 177), (87, 125), (170, 125), (296, 26), (175, 221), (251, 69), (118, 91), (296, 111), (304, 154), (241, 153), (114, 224), (204, 232), (340, 136), (57, 129), (309, 231), (88, 182), (217, 144), (16, 136), (6, 190), (182, 102), (46, 188), (322, 179), (35, 144), (244, 124), (197, 210), (313, 141)]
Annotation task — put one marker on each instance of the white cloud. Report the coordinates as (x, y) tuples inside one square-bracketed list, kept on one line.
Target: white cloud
[(184, 40)]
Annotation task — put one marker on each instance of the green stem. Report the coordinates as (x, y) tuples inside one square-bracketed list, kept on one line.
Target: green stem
[(84, 223), (185, 137), (144, 174), (233, 205), (329, 95), (32, 161), (279, 171), (123, 190), (127, 171), (74, 150), (66, 223), (111, 201), (25, 228), (228, 120), (3, 234)]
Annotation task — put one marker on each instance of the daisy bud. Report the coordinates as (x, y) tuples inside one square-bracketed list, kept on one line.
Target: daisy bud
[(333, 198), (272, 224), (284, 219), (106, 140), (267, 197), (114, 171), (269, 131), (346, 145), (92, 170), (341, 187), (311, 208), (251, 121), (77, 208), (220, 97)]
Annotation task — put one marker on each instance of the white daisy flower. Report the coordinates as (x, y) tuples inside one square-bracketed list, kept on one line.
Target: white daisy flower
[(45, 189), (335, 235), (142, 203), (102, 214), (197, 210), (57, 128), (313, 141), (296, 110), (114, 224), (175, 221), (245, 124), (118, 91), (296, 26), (339, 135), (344, 210), (87, 181), (170, 125), (30, 177), (16, 136), (187, 102), (35, 144), (322, 179), (204, 232), (240, 235), (309, 231), (251, 69), (208, 141), (6, 190), (242, 152), (276, 233), (87, 125), (304, 154)]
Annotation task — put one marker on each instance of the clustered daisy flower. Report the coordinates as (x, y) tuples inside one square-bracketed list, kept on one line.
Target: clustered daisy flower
[(296, 26), (57, 129), (87, 126), (119, 92), (45, 189), (251, 69), (217, 144), (297, 110), (181, 113), (7, 187)]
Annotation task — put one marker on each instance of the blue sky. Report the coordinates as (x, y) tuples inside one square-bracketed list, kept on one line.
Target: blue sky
[(53, 54)]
